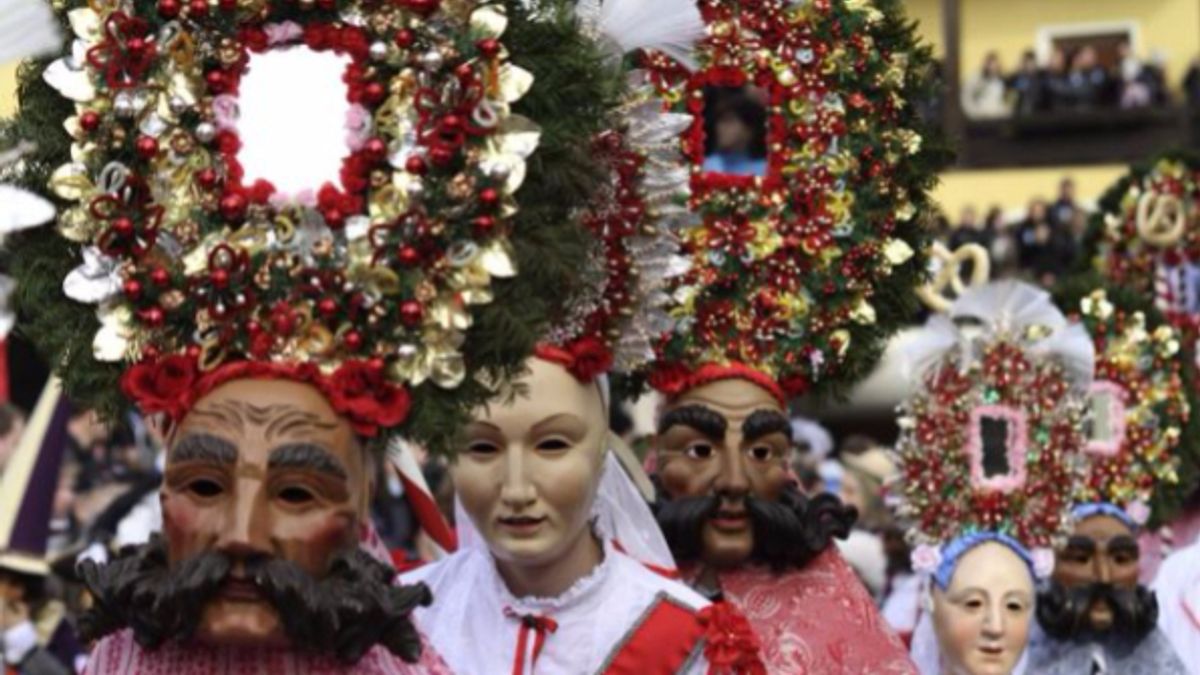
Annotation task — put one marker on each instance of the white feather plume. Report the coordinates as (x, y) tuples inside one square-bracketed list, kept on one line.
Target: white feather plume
[(669, 26), (27, 28)]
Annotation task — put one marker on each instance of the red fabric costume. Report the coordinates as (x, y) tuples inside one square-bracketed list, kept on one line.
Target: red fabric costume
[(817, 620)]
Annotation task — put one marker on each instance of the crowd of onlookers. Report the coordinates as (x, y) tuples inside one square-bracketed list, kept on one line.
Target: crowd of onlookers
[(1040, 245), (1068, 81)]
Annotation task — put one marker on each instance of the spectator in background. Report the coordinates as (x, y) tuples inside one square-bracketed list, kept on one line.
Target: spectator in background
[(865, 475), (970, 230), (1134, 92), (1028, 86), (12, 423), (985, 97), (1088, 84), (1056, 81), (737, 133), (1047, 248), (1154, 77), (1065, 207), (1191, 84), (1004, 249)]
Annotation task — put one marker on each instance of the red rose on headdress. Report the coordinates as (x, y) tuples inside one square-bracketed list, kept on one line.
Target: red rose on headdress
[(360, 391), (589, 358), (795, 385), (161, 386), (670, 379), (730, 643)]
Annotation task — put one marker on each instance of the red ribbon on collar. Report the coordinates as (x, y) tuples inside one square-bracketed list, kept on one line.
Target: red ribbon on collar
[(540, 626)]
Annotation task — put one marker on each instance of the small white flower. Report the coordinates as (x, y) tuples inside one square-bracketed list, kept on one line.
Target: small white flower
[(926, 558), (1043, 562), (1138, 511)]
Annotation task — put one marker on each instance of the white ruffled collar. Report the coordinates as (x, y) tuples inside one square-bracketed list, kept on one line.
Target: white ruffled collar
[(579, 592)]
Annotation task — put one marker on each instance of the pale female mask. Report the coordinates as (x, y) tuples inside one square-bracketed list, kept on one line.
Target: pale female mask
[(982, 617), (528, 475)]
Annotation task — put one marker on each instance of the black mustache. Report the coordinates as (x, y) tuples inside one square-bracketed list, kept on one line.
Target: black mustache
[(787, 533), (354, 607), (1063, 611)]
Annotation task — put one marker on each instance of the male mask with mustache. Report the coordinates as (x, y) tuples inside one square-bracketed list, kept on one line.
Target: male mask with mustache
[(787, 533), (1064, 611), (345, 613)]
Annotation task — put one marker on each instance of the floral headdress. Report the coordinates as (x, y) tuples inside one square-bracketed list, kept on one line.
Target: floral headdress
[(798, 275), (1146, 237), (1143, 458), (394, 292), (991, 441)]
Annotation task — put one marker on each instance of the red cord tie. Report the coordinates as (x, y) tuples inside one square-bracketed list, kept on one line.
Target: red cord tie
[(540, 626)]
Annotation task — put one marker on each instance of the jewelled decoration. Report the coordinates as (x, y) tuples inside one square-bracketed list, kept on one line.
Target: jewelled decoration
[(1145, 237), (635, 225), (1138, 382), (946, 488), (379, 273), (790, 271)]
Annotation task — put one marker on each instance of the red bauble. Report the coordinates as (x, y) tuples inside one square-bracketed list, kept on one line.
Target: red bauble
[(352, 340), (404, 38), (215, 80), (135, 46), (408, 256), (152, 317), (233, 206), (198, 9), (169, 9), (374, 92), (376, 149), (489, 197), (441, 155), (206, 178), (219, 277), (227, 5), (123, 227), (327, 307), (452, 123), (89, 121), (160, 277), (147, 147), (132, 288), (489, 47), (484, 225), (334, 218), (415, 165), (411, 313)]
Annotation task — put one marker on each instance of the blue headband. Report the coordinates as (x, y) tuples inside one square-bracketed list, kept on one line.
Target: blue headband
[(1083, 511), (956, 549)]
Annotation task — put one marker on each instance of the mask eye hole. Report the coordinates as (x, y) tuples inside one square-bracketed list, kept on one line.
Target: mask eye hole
[(553, 445), (483, 448), (204, 487), (700, 451), (760, 453), (296, 495)]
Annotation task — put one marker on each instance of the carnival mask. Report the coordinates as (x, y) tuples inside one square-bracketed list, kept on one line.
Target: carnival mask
[(1095, 584), (263, 494), (982, 617), (726, 495), (530, 469)]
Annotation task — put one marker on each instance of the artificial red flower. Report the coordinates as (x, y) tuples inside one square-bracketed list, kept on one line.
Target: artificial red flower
[(162, 386), (360, 391), (590, 358), (671, 378), (730, 643)]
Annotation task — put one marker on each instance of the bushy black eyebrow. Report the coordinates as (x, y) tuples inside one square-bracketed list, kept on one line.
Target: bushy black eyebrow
[(1081, 543), (764, 423), (204, 448), (705, 420), (306, 456)]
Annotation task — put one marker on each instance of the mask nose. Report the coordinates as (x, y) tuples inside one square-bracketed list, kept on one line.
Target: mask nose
[(245, 534), (517, 492)]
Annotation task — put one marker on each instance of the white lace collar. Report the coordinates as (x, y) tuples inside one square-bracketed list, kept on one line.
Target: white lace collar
[(584, 588)]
